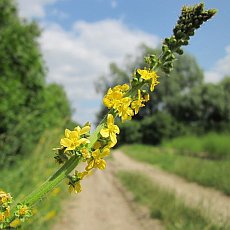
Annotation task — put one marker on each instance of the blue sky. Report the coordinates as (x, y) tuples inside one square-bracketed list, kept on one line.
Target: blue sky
[(80, 38)]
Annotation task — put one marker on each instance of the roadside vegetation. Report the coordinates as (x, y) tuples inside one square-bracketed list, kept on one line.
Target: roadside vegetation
[(163, 205), (29, 173), (211, 173), (210, 146)]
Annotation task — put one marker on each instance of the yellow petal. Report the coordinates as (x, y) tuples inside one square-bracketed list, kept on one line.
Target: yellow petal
[(102, 164), (74, 135), (83, 141), (110, 119), (85, 130), (116, 129), (105, 152), (90, 165), (96, 153), (104, 132), (78, 129), (66, 142), (113, 138), (67, 133), (77, 187)]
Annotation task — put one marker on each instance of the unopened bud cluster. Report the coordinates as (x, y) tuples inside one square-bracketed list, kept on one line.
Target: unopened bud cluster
[(190, 19)]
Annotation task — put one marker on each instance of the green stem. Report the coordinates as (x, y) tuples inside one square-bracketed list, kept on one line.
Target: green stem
[(51, 182)]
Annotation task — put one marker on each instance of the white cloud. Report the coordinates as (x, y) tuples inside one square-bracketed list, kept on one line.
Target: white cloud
[(33, 8), (220, 70), (78, 57), (114, 3)]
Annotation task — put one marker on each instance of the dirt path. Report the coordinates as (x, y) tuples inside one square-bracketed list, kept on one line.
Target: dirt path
[(213, 203), (102, 205)]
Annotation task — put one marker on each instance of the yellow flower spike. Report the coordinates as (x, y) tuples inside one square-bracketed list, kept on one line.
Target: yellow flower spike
[(149, 75), (111, 130)]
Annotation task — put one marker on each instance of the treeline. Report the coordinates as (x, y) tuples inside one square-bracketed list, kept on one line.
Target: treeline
[(181, 104), (28, 104)]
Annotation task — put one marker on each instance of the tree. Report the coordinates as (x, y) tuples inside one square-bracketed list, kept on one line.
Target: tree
[(27, 105)]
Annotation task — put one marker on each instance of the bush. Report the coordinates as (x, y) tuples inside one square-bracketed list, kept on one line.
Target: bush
[(158, 127)]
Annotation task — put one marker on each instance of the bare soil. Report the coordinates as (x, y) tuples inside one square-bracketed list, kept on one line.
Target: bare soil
[(104, 204)]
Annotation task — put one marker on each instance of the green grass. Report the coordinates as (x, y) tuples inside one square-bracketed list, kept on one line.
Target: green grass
[(28, 173), (205, 172), (164, 205), (211, 146)]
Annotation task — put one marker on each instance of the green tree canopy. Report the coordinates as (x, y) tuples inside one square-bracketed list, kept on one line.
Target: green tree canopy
[(28, 104)]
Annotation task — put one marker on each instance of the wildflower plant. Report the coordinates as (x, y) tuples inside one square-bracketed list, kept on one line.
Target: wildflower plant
[(123, 102)]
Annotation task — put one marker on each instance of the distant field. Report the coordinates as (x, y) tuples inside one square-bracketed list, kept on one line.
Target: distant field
[(206, 172), (29, 173), (164, 205)]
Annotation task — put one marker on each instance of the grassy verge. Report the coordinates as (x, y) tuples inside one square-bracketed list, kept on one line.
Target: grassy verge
[(212, 146), (29, 173), (205, 172), (163, 205)]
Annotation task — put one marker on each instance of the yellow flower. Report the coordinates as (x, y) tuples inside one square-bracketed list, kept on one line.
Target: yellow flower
[(74, 139), (23, 212), (5, 198), (75, 188), (125, 112), (149, 75), (111, 129), (97, 160), (85, 153), (136, 104), (114, 95), (75, 181)]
